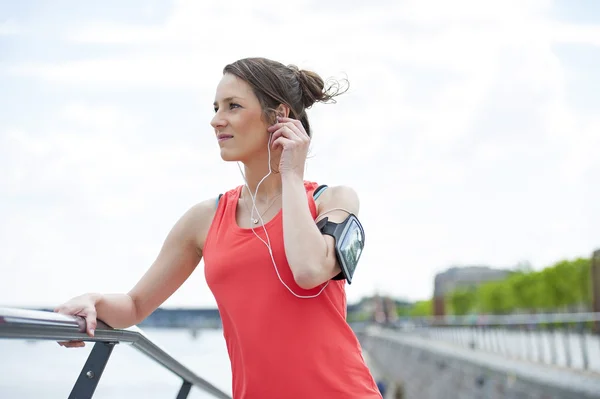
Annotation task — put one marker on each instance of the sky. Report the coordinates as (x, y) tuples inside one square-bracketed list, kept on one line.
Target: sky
[(470, 133)]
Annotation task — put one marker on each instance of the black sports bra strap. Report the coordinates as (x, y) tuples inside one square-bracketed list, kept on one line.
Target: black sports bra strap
[(319, 190)]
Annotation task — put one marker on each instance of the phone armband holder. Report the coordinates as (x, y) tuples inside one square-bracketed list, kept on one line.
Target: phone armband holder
[(349, 237)]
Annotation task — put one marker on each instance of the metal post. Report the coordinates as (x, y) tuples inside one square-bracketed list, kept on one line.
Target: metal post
[(92, 371), (527, 354), (531, 341), (583, 344), (185, 390), (501, 339), (552, 344), (540, 341), (484, 338), (495, 339), (567, 344), (472, 337)]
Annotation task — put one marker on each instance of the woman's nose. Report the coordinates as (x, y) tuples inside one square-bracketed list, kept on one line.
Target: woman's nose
[(217, 121)]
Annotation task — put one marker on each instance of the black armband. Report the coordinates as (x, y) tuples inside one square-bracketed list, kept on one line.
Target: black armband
[(349, 237)]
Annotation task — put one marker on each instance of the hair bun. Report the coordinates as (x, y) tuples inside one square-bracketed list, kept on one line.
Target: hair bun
[(313, 87)]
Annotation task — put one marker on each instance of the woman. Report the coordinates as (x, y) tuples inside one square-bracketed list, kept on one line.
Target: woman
[(273, 273)]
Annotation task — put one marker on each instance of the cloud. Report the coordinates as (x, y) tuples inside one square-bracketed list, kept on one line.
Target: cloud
[(467, 51), (102, 118), (129, 72), (576, 34), (457, 132), (97, 148), (190, 41), (10, 28), (61, 191)]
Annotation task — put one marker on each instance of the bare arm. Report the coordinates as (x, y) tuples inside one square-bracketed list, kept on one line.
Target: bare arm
[(310, 254), (177, 259)]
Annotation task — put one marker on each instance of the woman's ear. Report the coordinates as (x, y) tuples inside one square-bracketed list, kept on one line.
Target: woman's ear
[(283, 111)]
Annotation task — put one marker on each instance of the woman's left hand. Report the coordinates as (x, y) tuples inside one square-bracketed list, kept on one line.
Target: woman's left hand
[(290, 136)]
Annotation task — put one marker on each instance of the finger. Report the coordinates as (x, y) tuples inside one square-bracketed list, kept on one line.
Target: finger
[(288, 125), (298, 131), (296, 123), (296, 127), (66, 310), (292, 120), (60, 309), (283, 143), (90, 321), (277, 135), (286, 131)]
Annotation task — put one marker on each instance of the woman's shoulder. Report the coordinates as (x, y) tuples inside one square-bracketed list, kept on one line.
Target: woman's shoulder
[(334, 193), (207, 208), (202, 212)]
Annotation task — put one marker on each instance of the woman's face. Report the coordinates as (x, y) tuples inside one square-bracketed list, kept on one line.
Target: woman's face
[(239, 127)]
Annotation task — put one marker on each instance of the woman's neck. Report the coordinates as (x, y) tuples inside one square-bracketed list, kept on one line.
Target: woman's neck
[(256, 171)]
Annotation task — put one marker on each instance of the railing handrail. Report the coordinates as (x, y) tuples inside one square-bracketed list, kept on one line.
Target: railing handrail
[(513, 319), (42, 325)]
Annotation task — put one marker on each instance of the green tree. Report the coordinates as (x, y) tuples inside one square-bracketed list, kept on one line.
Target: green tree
[(563, 285), (524, 289), (496, 297), (560, 285), (422, 308), (462, 301)]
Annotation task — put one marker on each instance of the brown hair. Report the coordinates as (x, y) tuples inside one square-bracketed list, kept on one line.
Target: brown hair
[(274, 83)]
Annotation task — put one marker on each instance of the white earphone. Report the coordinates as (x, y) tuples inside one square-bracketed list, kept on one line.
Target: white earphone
[(268, 242)]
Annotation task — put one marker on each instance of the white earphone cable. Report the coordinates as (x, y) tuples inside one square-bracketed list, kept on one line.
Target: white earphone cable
[(268, 242)]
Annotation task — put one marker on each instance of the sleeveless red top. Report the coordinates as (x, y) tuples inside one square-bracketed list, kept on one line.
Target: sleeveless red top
[(280, 346)]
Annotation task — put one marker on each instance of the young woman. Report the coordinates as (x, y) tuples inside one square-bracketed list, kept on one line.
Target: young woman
[(274, 274)]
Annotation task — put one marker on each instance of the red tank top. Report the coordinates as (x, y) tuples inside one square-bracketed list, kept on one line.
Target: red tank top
[(280, 346)]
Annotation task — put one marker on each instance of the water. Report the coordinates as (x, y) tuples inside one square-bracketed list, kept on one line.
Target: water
[(45, 370)]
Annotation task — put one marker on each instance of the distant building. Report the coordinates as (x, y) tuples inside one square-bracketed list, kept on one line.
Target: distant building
[(463, 278)]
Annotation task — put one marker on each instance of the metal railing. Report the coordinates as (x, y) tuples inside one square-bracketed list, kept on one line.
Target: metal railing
[(40, 325), (565, 339)]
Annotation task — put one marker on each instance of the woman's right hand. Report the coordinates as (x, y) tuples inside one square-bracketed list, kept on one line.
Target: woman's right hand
[(83, 306)]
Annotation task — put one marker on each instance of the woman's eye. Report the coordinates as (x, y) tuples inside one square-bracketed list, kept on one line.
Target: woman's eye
[(216, 110), (234, 105)]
